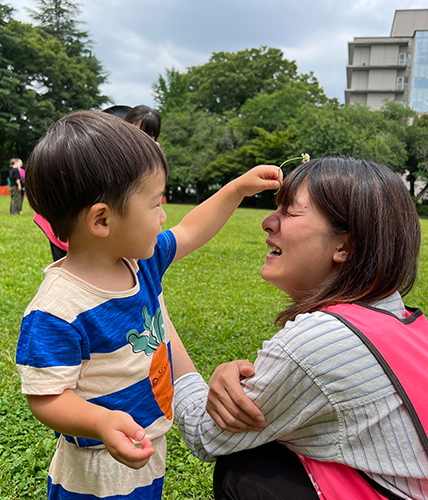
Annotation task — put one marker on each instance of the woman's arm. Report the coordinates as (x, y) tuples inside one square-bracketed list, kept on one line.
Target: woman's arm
[(227, 403), (280, 389)]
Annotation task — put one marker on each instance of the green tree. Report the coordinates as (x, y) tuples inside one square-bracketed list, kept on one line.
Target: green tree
[(191, 141), (230, 114), (417, 139), (58, 18), (264, 148), (355, 130), (229, 79), (39, 83), (170, 93), (10, 101), (276, 110)]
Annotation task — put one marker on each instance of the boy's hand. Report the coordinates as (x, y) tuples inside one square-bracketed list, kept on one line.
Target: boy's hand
[(258, 179), (227, 404), (124, 439), (206, 220)]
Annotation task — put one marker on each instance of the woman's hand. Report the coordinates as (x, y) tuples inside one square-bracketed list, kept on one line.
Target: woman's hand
[(227, 404)]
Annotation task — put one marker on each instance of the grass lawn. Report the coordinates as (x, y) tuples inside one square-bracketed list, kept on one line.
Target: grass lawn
[(219, 304)]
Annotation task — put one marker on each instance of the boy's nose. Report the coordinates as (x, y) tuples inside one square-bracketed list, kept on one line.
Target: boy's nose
[(162, 216)]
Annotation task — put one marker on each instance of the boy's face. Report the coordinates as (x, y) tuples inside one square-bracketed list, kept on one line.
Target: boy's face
[(136, 232)]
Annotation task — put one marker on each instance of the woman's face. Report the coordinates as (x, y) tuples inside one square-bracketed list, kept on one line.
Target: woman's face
[(304, 252)]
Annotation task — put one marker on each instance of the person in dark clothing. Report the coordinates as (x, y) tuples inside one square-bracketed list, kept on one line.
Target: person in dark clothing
[(15, 186)]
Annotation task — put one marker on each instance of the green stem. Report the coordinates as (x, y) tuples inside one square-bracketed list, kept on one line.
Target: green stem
[(283, 163)]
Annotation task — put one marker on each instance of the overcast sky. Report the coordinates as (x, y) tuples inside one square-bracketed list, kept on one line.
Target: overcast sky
[(136, 40)]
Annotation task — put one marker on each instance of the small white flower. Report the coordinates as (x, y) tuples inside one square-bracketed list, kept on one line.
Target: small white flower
[(304, 157)]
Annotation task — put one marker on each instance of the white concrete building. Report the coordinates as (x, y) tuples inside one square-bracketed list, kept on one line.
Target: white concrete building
[(394, 67)]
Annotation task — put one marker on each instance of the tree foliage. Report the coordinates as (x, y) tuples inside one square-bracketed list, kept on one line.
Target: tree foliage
[(229, 79), (41, 80), (353, 131), (171, 93), (223, 117), (59, 19), (191, 141), (253, 106), (417, 165)]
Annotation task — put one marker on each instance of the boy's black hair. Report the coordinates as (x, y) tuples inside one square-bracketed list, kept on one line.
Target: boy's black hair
[(85, 158)]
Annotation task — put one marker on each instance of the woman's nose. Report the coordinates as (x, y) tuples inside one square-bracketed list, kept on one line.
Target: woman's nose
[(270, 223)]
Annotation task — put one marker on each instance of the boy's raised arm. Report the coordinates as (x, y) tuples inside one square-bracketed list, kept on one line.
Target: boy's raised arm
[(206, 220)]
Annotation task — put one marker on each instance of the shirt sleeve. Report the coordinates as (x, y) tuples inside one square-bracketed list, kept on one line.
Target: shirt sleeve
[(165, 250), (287, 396), (49, 354)]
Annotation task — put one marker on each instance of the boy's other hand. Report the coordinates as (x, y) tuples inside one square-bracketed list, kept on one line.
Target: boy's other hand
[(227, 404), (125, 439), (259, 179)]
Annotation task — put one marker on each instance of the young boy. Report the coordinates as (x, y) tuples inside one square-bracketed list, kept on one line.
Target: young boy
[(94, 351)]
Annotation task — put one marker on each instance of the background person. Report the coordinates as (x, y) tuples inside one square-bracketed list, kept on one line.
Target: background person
[(22, 176), (146, 119), (15, 187), (58, 248), (346, 233)]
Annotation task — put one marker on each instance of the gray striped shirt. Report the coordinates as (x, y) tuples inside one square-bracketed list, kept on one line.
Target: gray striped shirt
[(324, 394)]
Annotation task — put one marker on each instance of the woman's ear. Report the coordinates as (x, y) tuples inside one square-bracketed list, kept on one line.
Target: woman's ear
[(98, 220), (341, 252)]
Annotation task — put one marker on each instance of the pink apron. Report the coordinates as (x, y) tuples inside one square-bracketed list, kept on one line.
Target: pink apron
[(393, 342)]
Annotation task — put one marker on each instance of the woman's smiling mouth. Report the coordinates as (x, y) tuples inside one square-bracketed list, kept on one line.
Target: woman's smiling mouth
[(274, 250)]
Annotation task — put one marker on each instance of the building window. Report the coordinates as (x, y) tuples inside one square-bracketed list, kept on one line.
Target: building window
[(404, 58), (403, 83), (419, 92)]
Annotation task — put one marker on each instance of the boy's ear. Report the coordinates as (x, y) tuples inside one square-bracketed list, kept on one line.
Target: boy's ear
[(98, 220), (341, 252)]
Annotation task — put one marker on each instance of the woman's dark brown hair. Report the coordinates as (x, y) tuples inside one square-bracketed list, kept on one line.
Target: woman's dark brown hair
[(149, 119), (85, 158), (371, 204)]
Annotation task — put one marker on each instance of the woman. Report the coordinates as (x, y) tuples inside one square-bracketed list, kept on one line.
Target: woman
[(345, 235)]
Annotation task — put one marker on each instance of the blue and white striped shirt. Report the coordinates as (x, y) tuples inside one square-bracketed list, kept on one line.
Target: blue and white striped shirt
[(324, 394)]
